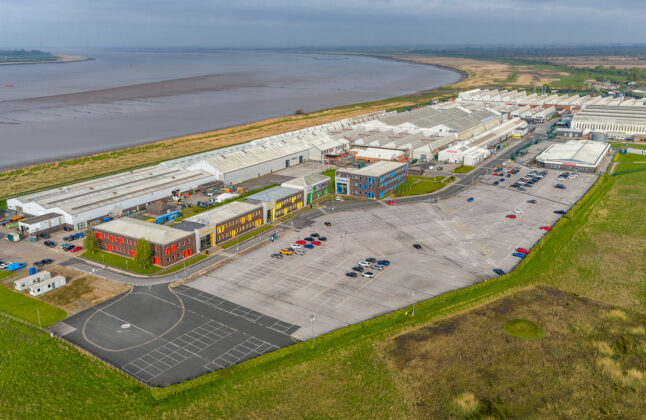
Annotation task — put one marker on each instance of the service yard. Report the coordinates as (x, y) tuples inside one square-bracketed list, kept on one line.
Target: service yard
[(462, 242)]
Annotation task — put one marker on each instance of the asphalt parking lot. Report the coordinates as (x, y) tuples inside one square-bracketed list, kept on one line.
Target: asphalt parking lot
[(164, 336), (461, 243)]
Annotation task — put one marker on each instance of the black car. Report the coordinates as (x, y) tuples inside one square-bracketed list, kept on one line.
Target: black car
[(38, 263), (559, 211), (496, 183), (46, 261), (44, 235), (371, 260), (508, 175), (328, 224), (417, 246), (314, 235), (531, 201), (351, 274), (358, 268), (322, 238), (384, 262), (309, 239), (499, 271), (276, 256), (560, 186), (50, 244)]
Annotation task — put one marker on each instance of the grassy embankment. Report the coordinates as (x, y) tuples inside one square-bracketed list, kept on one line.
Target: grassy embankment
[(598, 253), (119, 261), (417, 185), (463, 169)]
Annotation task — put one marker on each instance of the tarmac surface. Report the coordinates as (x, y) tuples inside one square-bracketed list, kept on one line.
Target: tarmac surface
[(163, 336)]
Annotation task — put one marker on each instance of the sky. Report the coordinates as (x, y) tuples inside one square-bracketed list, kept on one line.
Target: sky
[(317, 23)]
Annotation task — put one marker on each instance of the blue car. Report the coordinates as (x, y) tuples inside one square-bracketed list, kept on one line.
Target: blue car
[(384, 262), (496, 183), (499, 271), (308, 246), (559, 211), (502, 179), (470, 199), (519, 255)]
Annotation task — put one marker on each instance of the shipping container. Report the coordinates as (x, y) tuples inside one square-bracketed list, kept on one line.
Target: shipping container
[(47, 286)]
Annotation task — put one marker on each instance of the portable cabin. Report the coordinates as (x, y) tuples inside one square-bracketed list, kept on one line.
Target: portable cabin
[(47, 286), (25, 282)]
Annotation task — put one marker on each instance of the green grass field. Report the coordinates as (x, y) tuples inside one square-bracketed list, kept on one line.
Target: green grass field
[(119, 262), (598, 253), (416, 185), (24, 307), (463, 169)]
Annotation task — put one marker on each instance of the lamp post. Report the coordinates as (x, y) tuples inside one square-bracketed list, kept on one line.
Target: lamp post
[(184, 269), (412, 295), (312, 318)]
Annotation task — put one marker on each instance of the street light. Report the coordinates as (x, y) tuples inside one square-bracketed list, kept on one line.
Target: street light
[(312, 318), (412, 295)]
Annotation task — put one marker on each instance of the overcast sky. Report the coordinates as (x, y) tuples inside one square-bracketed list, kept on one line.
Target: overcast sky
[(273, 23)]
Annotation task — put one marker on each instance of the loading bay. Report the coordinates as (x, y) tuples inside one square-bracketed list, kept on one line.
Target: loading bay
[(255, 304)]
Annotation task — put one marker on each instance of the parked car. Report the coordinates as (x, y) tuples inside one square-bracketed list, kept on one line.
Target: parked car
[(390, 202), (38, 264), (322, 239), (522, 189), (545, 228), (301, 242), (499, 271), (50, 244), (371, 260), (308, 246), (3, 266), (417, 246), (496, 183), (314, 235), (560, 178), (328, 224), (559, 211), (508, 175), (519, 211), (47, 261), (368, 274), (67, 229), (76, 249), (560, 186), (317, 243), (358, 268), (377, 267), (45, 235), (279, 256), (309, 239), (299, 252), (511, 216), (519, 255), (383, 262), (470, 199), (286, 251), (531, 201), (522, 250), (502, 179), (295, 246), (351, 274), (364, 263)]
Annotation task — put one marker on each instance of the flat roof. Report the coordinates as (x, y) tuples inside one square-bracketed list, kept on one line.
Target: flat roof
[(304, 181), (52, 280), (41, 218), (273, 194), (223, 213), (376, 169), (377, 153), (581, 152), (135, 228)]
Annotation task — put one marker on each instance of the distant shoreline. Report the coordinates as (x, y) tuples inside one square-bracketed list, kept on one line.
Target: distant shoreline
[(63, 58)]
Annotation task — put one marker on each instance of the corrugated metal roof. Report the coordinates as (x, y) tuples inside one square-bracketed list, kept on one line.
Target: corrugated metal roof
[(224, 213), (273, 194), (135, 228)]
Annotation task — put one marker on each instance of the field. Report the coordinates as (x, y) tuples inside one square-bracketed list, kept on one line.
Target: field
[(28, 309), (416, 185), (594, 61), (119, 262)]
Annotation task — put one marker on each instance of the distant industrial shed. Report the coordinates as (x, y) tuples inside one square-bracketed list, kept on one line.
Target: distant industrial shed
[(574, 155)]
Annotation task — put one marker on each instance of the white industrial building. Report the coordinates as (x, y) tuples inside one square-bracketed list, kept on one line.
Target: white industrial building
[(463, 153), (574, 155), (615, 121), (45, 223)]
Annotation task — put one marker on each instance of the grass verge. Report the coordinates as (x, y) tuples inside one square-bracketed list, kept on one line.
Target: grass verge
[(118, 261), (463, 169), (187, 263)]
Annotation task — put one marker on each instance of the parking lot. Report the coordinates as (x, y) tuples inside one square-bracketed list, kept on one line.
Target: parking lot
[(461, 244), (163, 336)]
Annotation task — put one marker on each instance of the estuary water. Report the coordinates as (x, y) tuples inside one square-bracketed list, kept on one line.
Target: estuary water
[(122, 98)]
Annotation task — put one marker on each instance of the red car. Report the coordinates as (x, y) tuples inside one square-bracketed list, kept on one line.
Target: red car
[(511, 216), (301, 242), (390, 202), (522, 250), (510, 172), (76, 249), (546, 228), (495, 174), (317, 243)]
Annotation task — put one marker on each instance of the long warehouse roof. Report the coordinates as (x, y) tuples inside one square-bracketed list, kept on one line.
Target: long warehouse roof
[(584, 152)]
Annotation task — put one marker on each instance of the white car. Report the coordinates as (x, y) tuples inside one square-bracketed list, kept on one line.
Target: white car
[(560, 178), (296, 246), (337, 198), (4, 266), (573, 176), (364, 263), (519, 211), (299, 252), (368, 274)]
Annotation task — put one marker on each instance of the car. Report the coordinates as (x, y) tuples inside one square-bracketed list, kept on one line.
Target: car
[(308, 246), (301, 242), (371, 260), (67, 229), (515, 185), (499, 271), (470, 200), (417, 246), (322, 239), (531, 201), (496, 183), (522, 181), (573, 176), (45, 235), (309, 239), (46, 261), (358, 268), (351, 274), (50, 244), (364, 263), (383, 262), (522, 189), (299, 252), (511, 216), (560, 186), (317, 243), (508, 175), (502, 179), (368, 274), (519, 255), (38, 263), (328, 224), (545, 228), (377, 267), (76, 249), (337, 198), (495, 174), (67, 238), (314, 235), (519, 211), (560, 178), (278, 256), (4, 266), (522, 250), (295, 246), (559, 211), (286, 251), (390, 202)]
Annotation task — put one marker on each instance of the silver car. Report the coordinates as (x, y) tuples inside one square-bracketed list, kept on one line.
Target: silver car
[(378, 267)]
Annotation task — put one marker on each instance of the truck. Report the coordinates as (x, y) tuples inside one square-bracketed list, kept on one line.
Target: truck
[(14, 266)]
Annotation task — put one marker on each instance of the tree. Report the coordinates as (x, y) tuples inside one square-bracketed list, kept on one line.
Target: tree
[(90, 243), (143, 252), (633, 75)]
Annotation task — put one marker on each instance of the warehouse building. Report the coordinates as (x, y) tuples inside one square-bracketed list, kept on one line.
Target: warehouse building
[(46, 223), (616, 121), (168, 245), (277, 202), (574, 155), (373, 181), (314, 186), (224, 223), (87, 203), (374, 154)]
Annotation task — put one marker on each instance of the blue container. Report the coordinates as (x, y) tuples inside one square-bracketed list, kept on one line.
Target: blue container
[(32, 270)]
